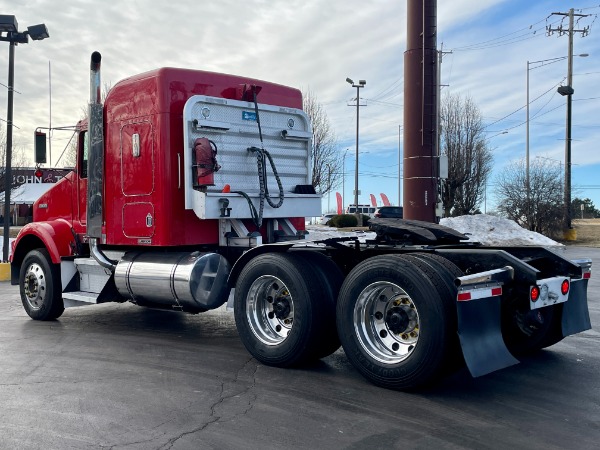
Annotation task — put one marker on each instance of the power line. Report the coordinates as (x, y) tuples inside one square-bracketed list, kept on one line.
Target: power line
[(524, 106), (509, 38)]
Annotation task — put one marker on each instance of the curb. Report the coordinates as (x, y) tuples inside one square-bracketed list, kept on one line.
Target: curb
[(4, 271)]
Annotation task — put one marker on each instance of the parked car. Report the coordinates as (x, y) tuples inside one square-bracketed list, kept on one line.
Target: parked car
[(389, 212), (325, 218)]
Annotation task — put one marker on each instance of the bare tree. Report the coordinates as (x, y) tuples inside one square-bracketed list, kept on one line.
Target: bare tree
[(469, 155), (325, 157), (542, 209)]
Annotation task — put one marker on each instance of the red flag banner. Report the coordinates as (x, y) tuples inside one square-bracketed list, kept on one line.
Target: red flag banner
[(385, 200), (338, 197)]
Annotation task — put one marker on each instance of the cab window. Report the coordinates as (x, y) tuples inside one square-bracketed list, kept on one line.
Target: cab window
[(83, 154)]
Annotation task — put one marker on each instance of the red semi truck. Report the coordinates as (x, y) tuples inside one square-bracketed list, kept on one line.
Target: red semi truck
[(192, 188)]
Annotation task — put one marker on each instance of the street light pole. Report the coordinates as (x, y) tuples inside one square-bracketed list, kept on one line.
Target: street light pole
[(8, 166), (361, 84), (527, 150), (344, 179), (8, 25), (328, 188)]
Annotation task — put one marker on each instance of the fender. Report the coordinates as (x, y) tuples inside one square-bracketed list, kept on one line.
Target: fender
[(252, 253), (55, 235)]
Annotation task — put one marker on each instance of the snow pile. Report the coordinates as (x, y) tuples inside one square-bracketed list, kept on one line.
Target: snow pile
[(489, 230), (320, 232), (496, 231)]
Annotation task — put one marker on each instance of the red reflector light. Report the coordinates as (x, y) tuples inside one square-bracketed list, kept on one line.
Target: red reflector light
[(496, 291), (534, 294), (587, 275), (464, 296), (38, 173), (564, 287)]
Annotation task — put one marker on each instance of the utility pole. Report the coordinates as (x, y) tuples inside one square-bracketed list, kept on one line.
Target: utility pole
[(568, 92)]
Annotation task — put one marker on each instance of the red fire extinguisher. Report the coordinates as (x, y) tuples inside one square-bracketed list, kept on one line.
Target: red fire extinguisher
[(206, 165)]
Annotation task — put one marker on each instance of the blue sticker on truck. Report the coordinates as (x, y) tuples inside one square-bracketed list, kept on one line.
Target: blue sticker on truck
[(249, 115)]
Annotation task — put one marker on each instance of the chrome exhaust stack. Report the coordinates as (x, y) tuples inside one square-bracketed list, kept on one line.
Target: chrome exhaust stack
[(95, 152)]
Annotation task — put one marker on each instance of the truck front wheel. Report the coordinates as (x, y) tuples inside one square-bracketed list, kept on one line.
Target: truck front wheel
[(39, 283), (276, 314), (393, 323)]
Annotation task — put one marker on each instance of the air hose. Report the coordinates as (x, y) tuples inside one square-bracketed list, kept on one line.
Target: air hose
[(257, 217)]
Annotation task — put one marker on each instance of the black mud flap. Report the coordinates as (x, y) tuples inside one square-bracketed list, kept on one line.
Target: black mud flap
[(479, 321), (575, 313), (481, 336)]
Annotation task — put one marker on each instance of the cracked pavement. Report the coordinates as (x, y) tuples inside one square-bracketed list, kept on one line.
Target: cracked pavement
[(118, 376)]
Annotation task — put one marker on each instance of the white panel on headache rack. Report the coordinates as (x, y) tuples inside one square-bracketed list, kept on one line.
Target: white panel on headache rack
[(232, 126)]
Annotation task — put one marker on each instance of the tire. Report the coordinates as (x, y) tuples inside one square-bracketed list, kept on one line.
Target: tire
[(448, 265), (545, 332), (277, 318), (40, 286), (330, 278), (392, 322), (448, 272)]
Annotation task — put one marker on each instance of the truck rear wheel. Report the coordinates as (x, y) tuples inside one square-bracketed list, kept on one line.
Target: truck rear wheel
[(275, 313), (527, 331), (40, 286), (392, 323), (443, 272), (330, 279)]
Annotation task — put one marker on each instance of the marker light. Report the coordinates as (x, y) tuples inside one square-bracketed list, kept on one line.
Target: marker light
[(564, 287), (534, 294)]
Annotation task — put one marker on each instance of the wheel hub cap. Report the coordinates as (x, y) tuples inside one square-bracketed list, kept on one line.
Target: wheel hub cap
[(386, 322), (270, 310), (35, 286), (398, 320)]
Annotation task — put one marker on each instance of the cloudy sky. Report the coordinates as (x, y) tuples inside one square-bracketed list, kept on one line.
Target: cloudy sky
[(316, 44)]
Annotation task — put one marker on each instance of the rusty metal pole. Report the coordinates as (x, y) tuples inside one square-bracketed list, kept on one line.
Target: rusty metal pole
[(421, 161)]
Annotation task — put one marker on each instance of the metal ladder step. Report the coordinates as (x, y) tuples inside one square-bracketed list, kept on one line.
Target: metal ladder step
[(79, 298)]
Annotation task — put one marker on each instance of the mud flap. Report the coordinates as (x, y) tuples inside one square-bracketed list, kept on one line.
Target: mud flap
[(575, 313), (479, 321), (481, 336)]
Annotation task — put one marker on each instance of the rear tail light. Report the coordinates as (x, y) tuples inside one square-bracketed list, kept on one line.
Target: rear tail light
[(534, 293), (564, 287)]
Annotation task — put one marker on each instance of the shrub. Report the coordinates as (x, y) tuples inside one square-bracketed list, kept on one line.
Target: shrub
[(343, 221)]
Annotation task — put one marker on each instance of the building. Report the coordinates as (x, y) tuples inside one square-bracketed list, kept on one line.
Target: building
[(29, 188)]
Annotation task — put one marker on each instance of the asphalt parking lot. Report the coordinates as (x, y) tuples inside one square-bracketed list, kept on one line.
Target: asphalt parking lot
[(123, 377)]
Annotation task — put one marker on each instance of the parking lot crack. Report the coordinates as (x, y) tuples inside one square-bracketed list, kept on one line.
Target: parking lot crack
[(231, 402)]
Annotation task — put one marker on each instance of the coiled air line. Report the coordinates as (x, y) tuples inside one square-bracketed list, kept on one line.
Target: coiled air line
[(257, 217)]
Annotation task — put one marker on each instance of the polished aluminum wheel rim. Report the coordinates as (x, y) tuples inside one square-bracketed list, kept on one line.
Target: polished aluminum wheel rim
[(270, 310), (35, 286), (386, 322)]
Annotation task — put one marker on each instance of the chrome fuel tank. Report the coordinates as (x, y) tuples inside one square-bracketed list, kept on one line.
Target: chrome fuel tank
[(190, 281)]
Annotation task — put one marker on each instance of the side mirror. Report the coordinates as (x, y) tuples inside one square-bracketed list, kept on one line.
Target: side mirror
[(40, 147)]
